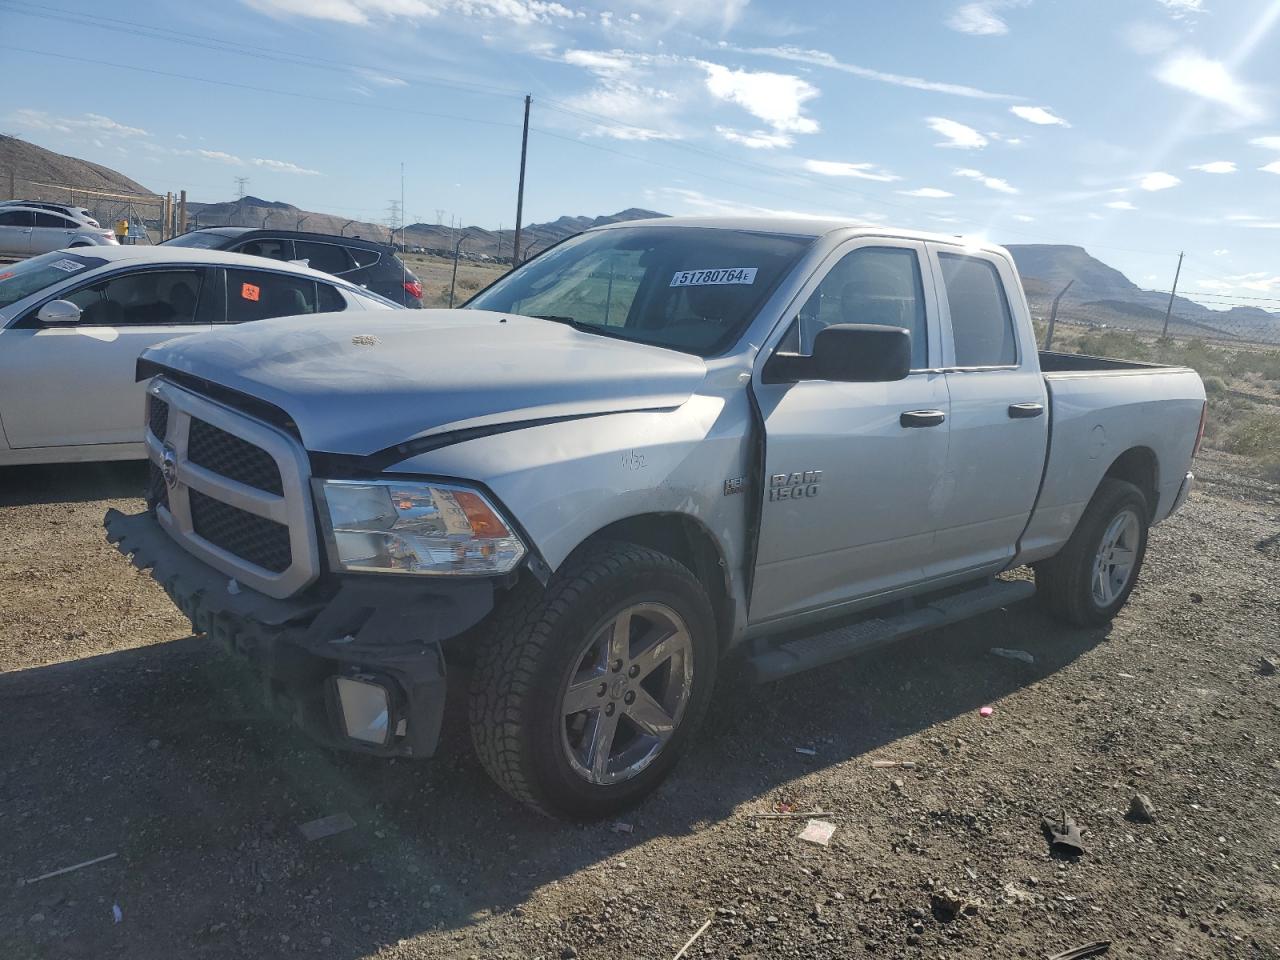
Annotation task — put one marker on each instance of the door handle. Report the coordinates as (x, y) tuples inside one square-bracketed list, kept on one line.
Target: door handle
[(922, 418), (1025, 411)]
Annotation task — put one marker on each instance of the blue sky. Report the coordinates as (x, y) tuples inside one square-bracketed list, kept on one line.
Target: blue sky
[(1136, 128)]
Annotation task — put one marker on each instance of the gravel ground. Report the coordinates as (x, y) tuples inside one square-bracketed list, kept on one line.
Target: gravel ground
[(124, 734)]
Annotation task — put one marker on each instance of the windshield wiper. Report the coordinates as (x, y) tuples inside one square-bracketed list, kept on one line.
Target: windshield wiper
[(555, 319)]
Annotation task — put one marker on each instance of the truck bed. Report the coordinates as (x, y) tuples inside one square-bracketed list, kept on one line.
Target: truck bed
[(1051, 362)]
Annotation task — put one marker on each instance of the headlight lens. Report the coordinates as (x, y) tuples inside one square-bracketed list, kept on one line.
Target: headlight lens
[(390, 526)]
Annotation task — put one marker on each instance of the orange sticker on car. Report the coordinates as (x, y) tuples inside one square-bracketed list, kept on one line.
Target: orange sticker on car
[(248, 291), (6, 276)]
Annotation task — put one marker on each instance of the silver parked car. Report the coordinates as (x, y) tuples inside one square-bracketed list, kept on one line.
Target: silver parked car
[(26, 231), (66, 209)]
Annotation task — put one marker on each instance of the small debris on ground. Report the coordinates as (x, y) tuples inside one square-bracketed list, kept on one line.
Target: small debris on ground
[(326, 826), (1008, 654), (74, 866), (947, 905), (1064, 835), (117, 914), (621, 827), (807, 751), (1141, 810), (818, 831), (692, 940), (1097, 948), (986, 711), (1267, 666), (889, 764), (1018, 895)]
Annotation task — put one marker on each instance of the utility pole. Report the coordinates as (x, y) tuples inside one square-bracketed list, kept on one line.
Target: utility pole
[(499, 254), (456, 248), (182, 212), (301, 221), (524, 150), (343, 231), (1172, 293), (1053, 315)]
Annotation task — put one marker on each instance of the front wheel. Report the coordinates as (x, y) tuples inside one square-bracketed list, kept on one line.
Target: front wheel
[(585, 693), (1088, 582)]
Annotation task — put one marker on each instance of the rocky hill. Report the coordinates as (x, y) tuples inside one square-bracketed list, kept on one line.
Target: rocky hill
[(34, 168)]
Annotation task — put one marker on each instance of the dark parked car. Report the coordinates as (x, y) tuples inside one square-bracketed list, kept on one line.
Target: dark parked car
[(365, 263)]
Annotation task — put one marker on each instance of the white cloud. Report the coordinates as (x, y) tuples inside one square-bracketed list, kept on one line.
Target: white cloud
[(613, 63), (957, 134), (1182, 8), (756, 139), (1150, 38), (284, 166), (991, 183), (363, 12), (220, 156), (1272, 167), (1267, 143), (930, 193), (1210, 80), (776, 98), (382, 79), (1215, 166), (819, 58), (1221, 253), (1023, 218), (861, 171), (681, 200), (980, 19), (1039, 115), (1121, 205), (89, 123), (1158, 181)]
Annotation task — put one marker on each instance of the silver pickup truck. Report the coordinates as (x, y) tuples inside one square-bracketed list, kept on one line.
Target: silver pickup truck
[(655, 446)]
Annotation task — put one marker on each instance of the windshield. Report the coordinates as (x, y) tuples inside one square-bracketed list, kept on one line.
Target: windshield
[(22, 279), (201, 239), (688, 288)]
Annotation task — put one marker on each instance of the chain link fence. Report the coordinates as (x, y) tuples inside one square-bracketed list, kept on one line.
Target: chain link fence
[(151, 217)]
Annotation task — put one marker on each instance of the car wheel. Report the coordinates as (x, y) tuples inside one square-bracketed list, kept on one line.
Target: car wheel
[(584, 694), (1088, 582)]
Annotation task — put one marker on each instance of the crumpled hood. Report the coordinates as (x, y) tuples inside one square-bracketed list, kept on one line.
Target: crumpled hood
[(358, 383)]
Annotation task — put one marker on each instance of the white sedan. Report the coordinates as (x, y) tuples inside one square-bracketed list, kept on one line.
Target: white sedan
[(73, 322)]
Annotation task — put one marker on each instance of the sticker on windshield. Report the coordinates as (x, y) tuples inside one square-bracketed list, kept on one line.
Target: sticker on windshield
[(70, 266), (702, 278)]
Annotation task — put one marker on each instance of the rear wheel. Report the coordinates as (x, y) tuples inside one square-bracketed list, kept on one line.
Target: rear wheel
[(585, 693), (1088, 582)]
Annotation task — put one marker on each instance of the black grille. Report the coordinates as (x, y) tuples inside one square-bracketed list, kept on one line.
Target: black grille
[(157, 489), (233, 458), (258, 540), (157, 416)]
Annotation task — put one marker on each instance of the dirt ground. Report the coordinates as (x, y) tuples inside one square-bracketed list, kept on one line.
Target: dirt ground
[(436, 274), (124, 734)]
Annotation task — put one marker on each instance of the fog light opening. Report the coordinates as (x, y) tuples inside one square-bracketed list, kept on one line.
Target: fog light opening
[(365, 709)]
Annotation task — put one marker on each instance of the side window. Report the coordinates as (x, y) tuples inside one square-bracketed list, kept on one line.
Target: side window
[(147, 298), (258, 295), (268, 247), (330, 300), (55, 221), (15, 218), (362, 257), (879, 285), (325, 257), (981, 324)]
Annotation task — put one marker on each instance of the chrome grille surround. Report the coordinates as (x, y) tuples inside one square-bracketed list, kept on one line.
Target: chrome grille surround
[(292, 508)]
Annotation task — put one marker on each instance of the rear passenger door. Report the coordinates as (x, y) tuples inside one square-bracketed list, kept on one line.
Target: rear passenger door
[(999, 411), (52, 232), (263, 294)]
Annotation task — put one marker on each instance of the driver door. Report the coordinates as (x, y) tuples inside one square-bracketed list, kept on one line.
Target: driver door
[(852, 470), (72, 384)]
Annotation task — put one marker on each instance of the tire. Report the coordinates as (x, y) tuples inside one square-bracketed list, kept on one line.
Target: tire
[(1069, 585), (546, 650)]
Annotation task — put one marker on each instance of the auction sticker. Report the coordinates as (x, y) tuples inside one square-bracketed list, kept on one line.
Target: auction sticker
[(70, 266), (249, 291), (718, 275)]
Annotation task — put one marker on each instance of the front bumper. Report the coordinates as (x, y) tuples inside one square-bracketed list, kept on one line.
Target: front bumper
[(362, 628)]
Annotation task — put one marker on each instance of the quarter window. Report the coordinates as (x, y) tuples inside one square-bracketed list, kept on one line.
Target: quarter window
[(981, 324), (363, 257), (879, 285), (331, 301), (147, 298)]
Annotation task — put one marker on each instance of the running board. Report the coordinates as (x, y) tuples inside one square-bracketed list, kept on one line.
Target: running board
[(820, 649)]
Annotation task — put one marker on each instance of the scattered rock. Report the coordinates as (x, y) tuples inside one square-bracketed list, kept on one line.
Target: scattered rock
[(947, 905), (153, 744), (1267, 666), (1141, 810), (568, 953)]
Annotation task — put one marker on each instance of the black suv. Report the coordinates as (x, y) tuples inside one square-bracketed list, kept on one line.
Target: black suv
[(365, 263)]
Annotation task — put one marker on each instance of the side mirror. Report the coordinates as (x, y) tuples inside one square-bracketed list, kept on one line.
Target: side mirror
[(847, 353), (59, 311)]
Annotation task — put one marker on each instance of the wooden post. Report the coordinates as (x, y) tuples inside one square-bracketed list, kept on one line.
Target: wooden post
[(524, 149), (1172, 293), (182, 213), (1053, 315)]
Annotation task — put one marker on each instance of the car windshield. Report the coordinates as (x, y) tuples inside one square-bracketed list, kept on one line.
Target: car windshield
[(22, 279), (201, 239), (687, 288)]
